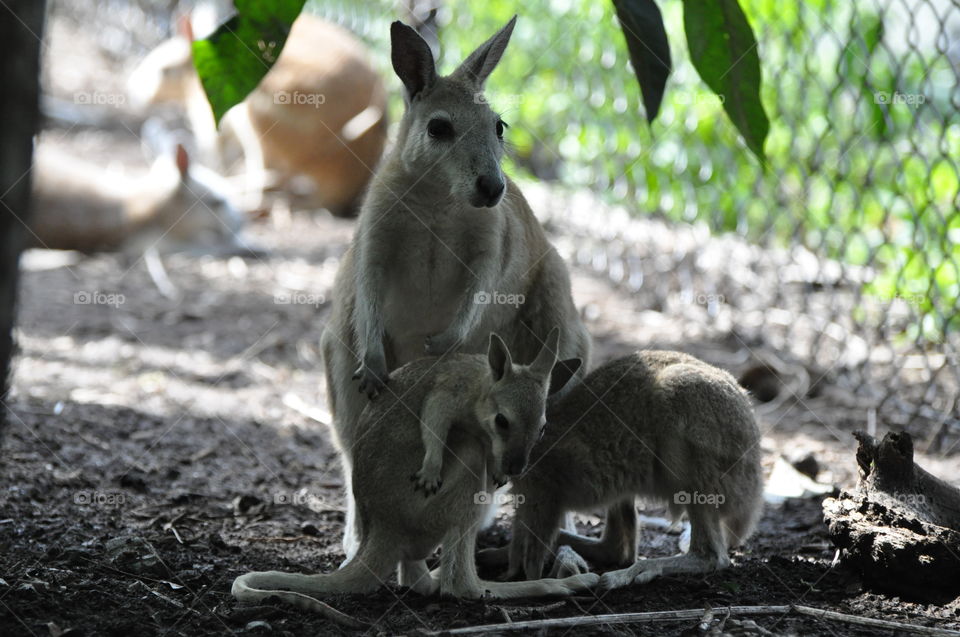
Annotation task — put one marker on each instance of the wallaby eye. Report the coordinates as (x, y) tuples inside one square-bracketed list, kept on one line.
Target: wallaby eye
[(501, 422), (439, 128), (500, 126)]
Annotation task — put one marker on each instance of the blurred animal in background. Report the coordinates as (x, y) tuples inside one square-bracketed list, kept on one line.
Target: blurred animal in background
[(174, 207), (320, 113)]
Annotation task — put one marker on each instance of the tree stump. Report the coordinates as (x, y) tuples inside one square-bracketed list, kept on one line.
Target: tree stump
[(900, 527)]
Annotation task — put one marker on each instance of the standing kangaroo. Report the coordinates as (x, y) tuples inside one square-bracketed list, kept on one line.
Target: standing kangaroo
[(443, 239), (398, 526), (656, 424)]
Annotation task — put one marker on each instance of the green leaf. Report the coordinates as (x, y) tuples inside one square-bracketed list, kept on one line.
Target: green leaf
[(646, 38), (233, 60), (724, 51)]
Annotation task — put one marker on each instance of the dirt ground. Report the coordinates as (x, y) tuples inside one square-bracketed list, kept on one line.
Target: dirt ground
[(158, 448)]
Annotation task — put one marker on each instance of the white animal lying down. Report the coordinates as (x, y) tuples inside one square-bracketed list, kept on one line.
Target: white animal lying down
[(397, 524), (78, 205)]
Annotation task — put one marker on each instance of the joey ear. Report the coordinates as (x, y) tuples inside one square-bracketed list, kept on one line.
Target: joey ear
[(412, 59), (562, 372), (547, 355), (499, 357), (185, 27), (480, 64)]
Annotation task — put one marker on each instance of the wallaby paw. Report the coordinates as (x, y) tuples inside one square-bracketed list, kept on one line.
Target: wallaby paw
[(581, 582), (426, 481), (613, 580), (499, 479), (627, 576), (372, 382), (567, 563), (439, 344)]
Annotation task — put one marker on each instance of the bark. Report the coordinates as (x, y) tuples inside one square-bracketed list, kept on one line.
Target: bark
[(20, 31), (900, 527)]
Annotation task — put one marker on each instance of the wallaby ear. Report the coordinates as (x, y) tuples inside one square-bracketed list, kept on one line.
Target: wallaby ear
[(480, 64), (412, 59), (185, 27), (547, 355), (562, 372), (183, 161), (499, 357)]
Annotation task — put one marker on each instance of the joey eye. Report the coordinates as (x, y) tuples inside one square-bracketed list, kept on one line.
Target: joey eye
[(501, 125), (501, 422), (439, 128)]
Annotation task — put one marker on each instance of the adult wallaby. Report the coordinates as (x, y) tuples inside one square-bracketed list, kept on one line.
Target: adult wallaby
[(657, 424), (399, 528), (446, 249), (320, 111)]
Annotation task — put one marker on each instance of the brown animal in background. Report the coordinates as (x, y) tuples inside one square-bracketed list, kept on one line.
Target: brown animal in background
[(319, 112)]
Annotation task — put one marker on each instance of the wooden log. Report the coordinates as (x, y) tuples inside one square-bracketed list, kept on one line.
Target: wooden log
[(900, 527)]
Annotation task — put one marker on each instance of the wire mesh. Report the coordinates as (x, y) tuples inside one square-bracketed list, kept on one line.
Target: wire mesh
[(846, 249), (842, 252)]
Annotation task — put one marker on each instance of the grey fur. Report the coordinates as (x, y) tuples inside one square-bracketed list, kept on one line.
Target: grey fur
[(660, 425), (430, 248), (399, 528)]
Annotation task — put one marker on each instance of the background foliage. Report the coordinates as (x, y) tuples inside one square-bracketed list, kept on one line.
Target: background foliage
[(863, 134), (864, 128)]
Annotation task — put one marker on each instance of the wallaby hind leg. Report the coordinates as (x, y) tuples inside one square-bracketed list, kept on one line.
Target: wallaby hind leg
[(416, 576), (346, 403), (708, 552), (458, 574), (618, 544)]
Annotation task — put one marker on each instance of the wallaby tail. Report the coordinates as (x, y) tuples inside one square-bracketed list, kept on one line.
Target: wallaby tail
[(740, 519), (363, 574)]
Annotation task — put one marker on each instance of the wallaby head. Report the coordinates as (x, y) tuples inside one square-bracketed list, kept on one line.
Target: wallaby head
[(513, 410), (449, 131), (188, 205)]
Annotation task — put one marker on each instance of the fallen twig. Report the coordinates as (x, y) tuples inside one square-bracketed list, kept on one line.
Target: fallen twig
[(695, 614)]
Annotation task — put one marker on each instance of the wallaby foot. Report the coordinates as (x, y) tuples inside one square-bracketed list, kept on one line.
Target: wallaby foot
[(416, 576), (541, 587), (568, 562), (644, 571)]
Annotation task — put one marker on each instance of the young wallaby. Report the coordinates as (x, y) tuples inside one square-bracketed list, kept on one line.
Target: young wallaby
[(657, 424), (464, 402), (174, 207), (399, 527), (446, 249), (320, 111)]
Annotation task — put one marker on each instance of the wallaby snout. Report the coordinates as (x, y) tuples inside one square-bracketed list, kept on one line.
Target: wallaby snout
[(515, 463), (489, 190)]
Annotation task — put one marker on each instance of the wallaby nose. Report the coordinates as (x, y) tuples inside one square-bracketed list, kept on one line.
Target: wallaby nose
[(490, 189), (515, 464)]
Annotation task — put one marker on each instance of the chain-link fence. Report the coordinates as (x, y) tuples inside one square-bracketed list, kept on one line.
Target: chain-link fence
[(842, 253)]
